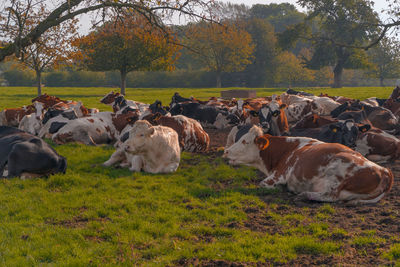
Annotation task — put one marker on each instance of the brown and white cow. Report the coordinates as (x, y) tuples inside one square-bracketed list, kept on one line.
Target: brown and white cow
[(192, 137), (378, 146), (315, 170), (155, 149), (101, 128), (13, 116)]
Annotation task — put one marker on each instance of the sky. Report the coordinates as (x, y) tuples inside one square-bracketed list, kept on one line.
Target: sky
[(379, 6)]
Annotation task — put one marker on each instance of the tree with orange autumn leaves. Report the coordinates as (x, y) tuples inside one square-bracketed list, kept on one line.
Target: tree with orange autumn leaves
[(127, 43), (223, 47), (50, 50)]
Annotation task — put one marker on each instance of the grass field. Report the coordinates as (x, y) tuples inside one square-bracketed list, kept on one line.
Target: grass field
[(19, 96), (207, 210)]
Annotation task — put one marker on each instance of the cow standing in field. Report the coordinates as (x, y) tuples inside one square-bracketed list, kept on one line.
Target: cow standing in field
[(155, 149), (26, 155), (315, 170)]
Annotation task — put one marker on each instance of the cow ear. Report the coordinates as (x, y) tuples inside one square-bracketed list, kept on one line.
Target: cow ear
[(282, 106), (334, 128), (364, 128), (262, 142), (157, 116), (276, 113), (150, 131), (253, 113), (315, 118)]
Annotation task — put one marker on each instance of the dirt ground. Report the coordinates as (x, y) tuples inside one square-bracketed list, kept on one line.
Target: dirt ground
[(383, 218)]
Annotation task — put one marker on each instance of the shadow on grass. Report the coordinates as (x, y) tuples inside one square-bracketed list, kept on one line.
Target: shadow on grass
[(205, 193)]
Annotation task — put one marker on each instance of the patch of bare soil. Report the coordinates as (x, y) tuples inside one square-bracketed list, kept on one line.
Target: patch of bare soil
[(383, 218)]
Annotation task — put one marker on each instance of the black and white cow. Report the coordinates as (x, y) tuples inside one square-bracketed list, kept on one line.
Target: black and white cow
[(26, 155), (208, 116)]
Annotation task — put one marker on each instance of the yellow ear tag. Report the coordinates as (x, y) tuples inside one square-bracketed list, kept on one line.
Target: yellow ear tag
[(334, 130), (362, 108), (264, 146)]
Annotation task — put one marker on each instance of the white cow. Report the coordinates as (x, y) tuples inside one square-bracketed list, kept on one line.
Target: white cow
[(155, 148)]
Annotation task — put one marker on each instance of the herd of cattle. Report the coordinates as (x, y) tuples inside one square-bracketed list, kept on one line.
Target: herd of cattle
[(323, 148)]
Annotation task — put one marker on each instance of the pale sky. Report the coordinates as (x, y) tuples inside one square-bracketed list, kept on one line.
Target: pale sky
[(379, 6)]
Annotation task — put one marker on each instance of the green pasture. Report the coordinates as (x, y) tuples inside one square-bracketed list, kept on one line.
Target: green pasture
[(97, 216), (90, 96)]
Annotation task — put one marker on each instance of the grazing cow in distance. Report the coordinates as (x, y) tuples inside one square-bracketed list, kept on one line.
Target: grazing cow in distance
[(26, 155), (192, 137), (312, 169), (155, 149)]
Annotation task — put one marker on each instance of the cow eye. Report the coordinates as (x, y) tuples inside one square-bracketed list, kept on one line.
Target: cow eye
[(142, 135), (243, 142)]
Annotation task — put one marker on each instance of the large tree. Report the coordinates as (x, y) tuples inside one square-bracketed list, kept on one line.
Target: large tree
[(263, 68), (386, 60), (127, 43), (343, 26), (224, 47), (13, 15), (51, 49)]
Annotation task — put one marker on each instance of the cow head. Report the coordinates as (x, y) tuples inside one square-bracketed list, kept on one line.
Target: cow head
[(247, 149), (119, 103), (62, 165), (51, 113), (139, 136), (268, 116), (157, 107), (109, 98), (346, 132)]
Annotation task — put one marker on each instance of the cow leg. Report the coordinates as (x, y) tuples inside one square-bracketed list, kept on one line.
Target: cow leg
[(136, 164), (268, 182), (271, 182), (2, 166), (231, 137), (13, 169), (116, 157)]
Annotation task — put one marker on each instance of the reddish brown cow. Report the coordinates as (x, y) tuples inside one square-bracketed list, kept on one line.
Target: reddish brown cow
[(315, 170), (378, 145), (13, 116), (192, 137), (313, 121), (48, 100)]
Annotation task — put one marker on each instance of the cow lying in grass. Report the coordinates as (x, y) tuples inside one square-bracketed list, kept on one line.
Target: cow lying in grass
[(315, 170), (26, 155), (153, 149)]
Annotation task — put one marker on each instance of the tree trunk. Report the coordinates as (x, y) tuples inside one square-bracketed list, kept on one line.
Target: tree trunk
[(123, 81), (219, 83), (381, 81), (337, 75), (39, 82)]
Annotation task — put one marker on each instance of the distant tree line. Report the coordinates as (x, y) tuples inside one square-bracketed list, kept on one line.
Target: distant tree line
[(272, 45)]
